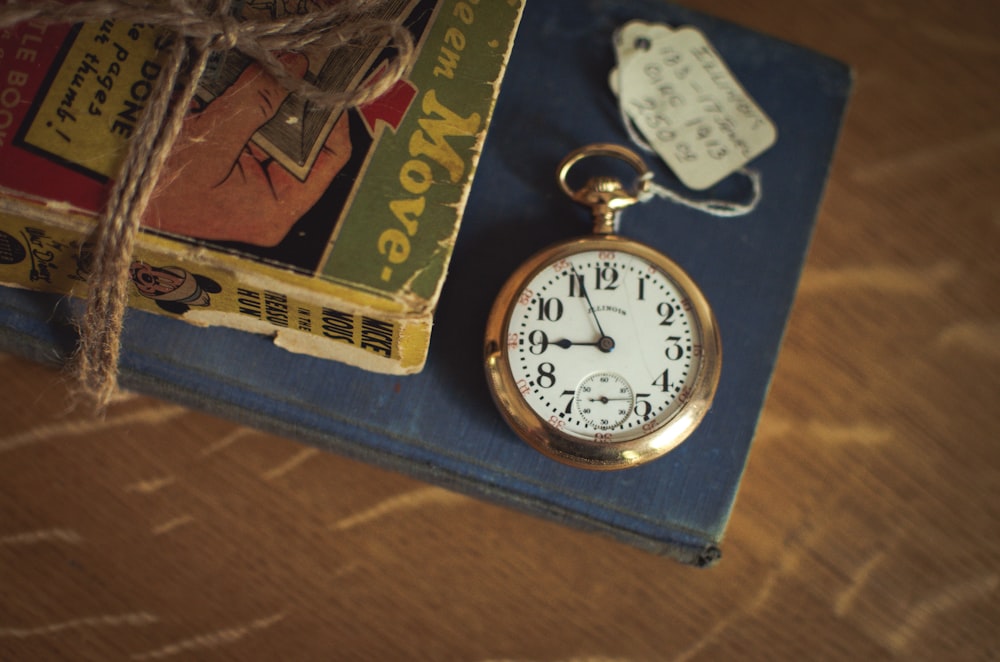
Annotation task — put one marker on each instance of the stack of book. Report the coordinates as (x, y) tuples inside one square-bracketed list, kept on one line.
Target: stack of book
[(440, 424)]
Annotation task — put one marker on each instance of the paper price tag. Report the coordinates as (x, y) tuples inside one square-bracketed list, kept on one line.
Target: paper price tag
[(680, 95), (637, 35)]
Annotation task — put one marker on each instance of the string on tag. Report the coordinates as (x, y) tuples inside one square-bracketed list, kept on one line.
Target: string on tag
[(200, 28), (672, 106), (720, 208)]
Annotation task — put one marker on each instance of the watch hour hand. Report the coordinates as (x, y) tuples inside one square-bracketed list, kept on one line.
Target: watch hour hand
[(605, 344), (565, 343)]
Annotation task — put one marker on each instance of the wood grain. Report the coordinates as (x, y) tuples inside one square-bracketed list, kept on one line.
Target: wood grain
[(867, 526)]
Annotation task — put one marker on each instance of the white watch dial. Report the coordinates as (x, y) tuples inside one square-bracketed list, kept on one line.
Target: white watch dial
[(602, 345)]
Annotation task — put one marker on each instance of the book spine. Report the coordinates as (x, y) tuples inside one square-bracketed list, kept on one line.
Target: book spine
[(41, 254)]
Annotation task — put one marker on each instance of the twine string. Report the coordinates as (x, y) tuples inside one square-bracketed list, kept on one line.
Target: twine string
[(714, 207), (200, 27)]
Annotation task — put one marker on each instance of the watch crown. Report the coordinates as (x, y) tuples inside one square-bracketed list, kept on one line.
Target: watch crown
[(605, 196), (607, 191), (606, 185)]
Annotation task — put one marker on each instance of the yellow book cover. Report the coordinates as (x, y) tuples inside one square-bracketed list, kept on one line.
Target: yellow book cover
[(329, 229)]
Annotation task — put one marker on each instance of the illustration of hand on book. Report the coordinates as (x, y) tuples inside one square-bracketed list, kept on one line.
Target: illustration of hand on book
[(219, 184)]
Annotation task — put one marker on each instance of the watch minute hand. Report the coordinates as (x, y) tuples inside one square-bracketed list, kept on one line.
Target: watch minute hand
[(605, 343), (586, 296)]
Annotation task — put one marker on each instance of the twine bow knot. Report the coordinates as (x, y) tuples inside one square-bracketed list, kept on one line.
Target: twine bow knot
[(200, 28), (228, 36)]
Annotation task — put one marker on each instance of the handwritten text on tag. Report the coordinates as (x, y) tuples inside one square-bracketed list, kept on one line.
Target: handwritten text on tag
[(687, 105)]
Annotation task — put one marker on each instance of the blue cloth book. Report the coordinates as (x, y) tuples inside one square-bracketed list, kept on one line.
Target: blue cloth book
[(441, 425)]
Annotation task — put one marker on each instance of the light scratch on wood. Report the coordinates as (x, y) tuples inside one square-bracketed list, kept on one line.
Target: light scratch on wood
[(861, 433), (226, 441), (830, 433), (211, 640), (859, 579), (289, 464), (136, 619), (959, 40), (723, 624), (949, 598), (889, 279), (167, 527), (930, 158), (152, 485), (41, 433), (407, 501), (788, 564), (46, 535), (981, 338)]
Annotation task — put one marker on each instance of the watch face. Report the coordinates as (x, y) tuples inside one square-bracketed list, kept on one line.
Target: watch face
[(609, 353)]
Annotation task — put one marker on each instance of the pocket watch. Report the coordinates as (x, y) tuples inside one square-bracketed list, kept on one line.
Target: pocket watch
[(600, 351)]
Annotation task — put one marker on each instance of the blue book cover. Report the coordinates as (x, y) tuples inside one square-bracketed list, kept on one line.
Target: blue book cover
[(441, 425)]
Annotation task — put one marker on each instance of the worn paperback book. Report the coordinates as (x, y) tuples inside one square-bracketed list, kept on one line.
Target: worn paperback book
[(329, 230)]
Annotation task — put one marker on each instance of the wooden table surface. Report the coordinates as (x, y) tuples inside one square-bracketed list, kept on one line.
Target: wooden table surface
[(866, 527)]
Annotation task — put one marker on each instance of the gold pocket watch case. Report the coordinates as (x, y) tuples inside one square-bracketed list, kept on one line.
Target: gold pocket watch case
[(600, 351)]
